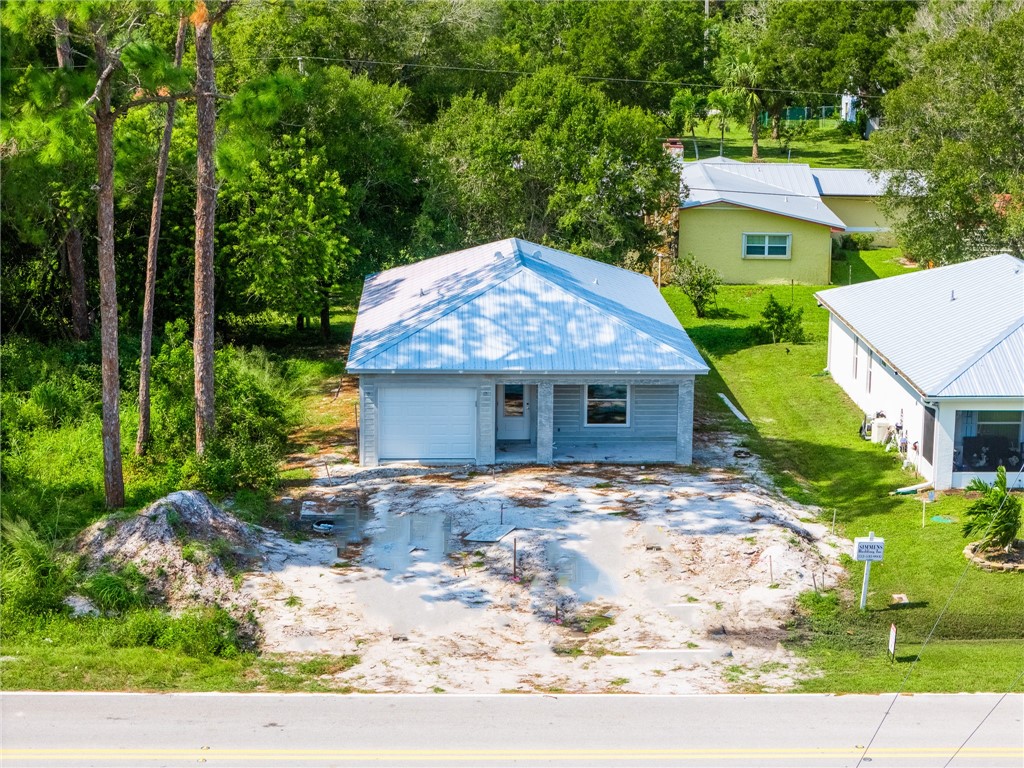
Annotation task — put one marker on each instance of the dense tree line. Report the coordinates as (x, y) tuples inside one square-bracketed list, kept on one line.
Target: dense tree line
[(426, 116), (164, 160)]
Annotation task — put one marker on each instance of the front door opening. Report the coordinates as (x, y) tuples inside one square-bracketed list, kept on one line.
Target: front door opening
[(514, 412)]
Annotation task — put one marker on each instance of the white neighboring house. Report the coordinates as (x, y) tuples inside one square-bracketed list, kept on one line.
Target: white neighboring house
[(942, 352)]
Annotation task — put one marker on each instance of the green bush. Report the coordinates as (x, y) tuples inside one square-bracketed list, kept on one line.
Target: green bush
[(698, 281), (200, 632), (996, 516), (34, 577), (116, 591), (779, 323), (857, 241), (253, 410)]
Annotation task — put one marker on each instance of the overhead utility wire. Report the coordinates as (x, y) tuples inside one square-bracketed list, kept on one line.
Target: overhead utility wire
[(935, 626), (986, 717), (487, 70), (517, 72)]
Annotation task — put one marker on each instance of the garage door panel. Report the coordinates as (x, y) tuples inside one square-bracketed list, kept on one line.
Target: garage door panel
[(435, 423)]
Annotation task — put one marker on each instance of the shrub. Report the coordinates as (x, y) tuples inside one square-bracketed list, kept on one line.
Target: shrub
[(996, 515), (34, 577), (857, 241), (116, 591), (140, 629), (779, 323), (253, 411), (698, 281), (200, 632)]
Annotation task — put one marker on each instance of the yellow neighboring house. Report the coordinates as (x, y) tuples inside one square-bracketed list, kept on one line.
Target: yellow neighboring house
[(772, 222), (852, 194)]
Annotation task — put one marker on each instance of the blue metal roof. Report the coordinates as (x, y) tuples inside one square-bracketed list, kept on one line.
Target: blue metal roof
[(513, 306), (786, 189), (954, 331), (848, 182)]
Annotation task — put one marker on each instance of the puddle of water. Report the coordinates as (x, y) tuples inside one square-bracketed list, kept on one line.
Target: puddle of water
[(400, 543), (406, 608), (592, 567), (349, 525), (405, 548)]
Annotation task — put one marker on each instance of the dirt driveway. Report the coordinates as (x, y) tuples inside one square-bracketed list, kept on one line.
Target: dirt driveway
[(652, 580)]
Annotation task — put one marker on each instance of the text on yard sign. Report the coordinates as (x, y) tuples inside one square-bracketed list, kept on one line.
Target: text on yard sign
[(865, 549)]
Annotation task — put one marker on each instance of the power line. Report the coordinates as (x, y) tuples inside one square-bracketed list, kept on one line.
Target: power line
[(513, 72), (935, 626), (986, 717)]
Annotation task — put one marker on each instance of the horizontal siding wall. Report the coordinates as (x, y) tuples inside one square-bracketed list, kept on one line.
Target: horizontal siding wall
[(652, 416)]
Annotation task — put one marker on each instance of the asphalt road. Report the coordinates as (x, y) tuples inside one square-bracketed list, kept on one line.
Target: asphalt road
[(40, 729)]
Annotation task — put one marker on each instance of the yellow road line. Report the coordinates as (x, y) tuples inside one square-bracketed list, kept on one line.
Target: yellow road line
[(494, 754)]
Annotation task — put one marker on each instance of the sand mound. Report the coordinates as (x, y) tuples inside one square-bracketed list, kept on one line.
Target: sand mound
[(184, 545)]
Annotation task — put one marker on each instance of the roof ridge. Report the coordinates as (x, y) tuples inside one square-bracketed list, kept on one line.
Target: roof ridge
[(440, 310), (603, 264), (585, 298), (801, 167), (974, 359), (787, 190)]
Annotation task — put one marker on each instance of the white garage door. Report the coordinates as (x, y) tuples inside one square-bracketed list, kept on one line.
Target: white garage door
[(436, 423)]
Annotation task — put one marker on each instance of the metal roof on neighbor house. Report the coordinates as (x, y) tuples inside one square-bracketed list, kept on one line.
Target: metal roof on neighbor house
[(848, 182), (786, 189), (513, 306), (954, 331)]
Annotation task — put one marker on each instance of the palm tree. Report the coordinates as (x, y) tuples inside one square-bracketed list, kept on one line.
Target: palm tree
[(996, 515), (686, 110), (741, 72), (721, 104)]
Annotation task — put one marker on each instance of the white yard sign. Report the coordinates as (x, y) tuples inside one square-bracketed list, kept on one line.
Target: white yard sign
[(867, 550)]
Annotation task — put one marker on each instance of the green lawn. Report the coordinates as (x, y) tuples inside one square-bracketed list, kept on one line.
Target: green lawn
[(807, 429), (819, 147)]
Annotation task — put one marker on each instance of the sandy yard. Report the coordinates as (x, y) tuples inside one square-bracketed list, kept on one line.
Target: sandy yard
[(627, 579)]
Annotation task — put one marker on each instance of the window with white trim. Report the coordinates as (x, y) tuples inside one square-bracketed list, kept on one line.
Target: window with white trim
[(765, 245), (606, 405), (1003, 423)]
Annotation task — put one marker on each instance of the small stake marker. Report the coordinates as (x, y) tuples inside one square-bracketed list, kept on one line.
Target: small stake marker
[(515, 574)]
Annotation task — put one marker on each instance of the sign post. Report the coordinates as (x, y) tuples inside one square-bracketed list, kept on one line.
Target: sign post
[(867, 550), (892, 643)]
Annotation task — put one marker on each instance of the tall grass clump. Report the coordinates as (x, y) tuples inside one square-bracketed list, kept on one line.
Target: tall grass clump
[(116, 590), (34, 577), (200, 632)]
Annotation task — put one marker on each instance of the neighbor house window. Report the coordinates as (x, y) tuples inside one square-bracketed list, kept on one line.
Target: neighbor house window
[(607, 405), (766, 246)]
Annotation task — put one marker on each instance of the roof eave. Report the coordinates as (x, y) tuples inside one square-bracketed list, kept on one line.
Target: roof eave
[(525, 372), (840, 227), (884, 358)]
